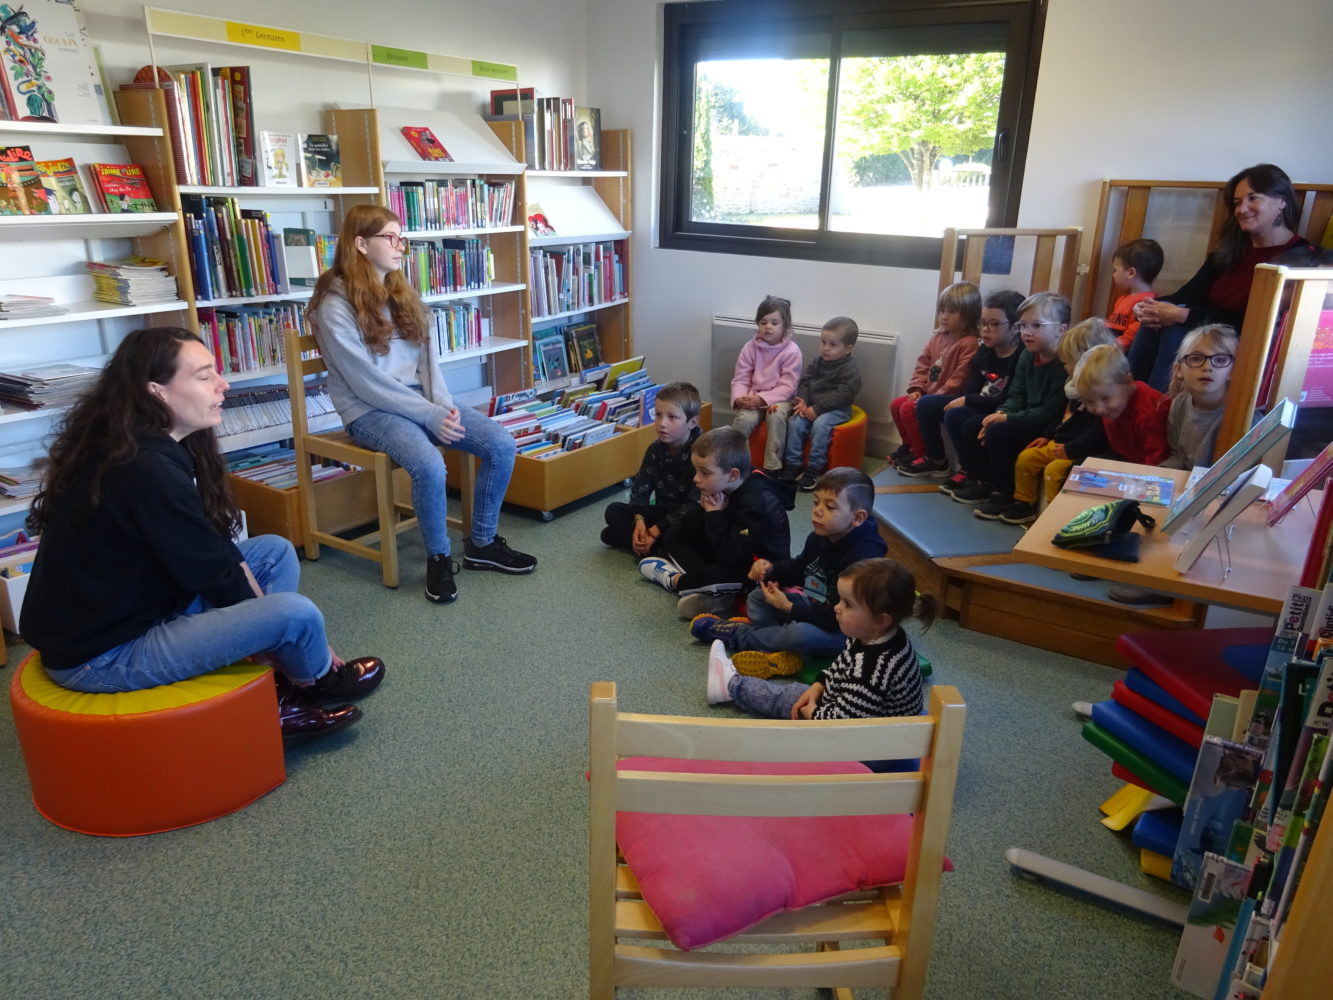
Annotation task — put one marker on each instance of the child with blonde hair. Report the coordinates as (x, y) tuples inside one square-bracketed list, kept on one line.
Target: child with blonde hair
[(938, 377), (1075, 436), (1198, 390), (875, 675), (1133, 413), (767, 371)]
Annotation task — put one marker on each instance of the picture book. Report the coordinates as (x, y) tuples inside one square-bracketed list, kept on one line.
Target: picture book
[(123, 187), (620, 368), (1209, 923), (423, 140), (500, 97), (552, 363), (277, 159), (48, 64), (1315, 474), (242, 122), (587, 139), (1258, 441), (21, 190), (1142, 486), (538, 224), (587, 345), (298, 248), (320, 165), (1249, 487), (64, 187), (1224, 779), (1315, 569)]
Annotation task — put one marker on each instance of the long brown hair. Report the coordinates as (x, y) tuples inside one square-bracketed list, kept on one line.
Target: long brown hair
[(100, 431), (1263, 178), (354, 276)]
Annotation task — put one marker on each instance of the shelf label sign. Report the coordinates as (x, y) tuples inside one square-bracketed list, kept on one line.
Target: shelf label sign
[(494, 70), (271, 38), (388, 56)]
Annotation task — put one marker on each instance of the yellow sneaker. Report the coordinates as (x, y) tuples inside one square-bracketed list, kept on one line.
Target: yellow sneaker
[(753, 663)]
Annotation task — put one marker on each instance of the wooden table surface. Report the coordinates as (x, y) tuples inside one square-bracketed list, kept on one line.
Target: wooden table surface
[(1265, 562)]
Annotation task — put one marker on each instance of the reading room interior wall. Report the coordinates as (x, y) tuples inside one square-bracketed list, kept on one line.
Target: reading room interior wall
[(1194, 89)]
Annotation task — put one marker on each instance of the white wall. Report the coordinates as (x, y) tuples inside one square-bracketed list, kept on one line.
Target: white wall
[(1192, 89)]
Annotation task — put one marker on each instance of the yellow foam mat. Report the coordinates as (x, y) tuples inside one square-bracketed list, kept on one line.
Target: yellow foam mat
[(46, 692), (1154, 864), (1125, 806)]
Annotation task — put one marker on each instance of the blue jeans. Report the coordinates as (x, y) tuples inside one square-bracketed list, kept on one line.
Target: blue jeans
[(770, 699), (820, 432), (417, 450), (773, 631), (202, 638), (1152, 355)]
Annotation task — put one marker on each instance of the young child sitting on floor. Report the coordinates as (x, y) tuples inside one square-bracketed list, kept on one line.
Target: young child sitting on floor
[(1134, 267), (875, 675), (1075, 436), (767, 370), (1203, 372), (938, 377), (739, 515), (785, 628), (823, 401), (665, 480), (1133, 413)]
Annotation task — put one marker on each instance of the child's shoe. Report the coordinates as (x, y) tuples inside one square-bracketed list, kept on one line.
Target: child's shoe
[(900, 457), (992, 508), (754, 663), (711, 628), (806, 483), (789, 473), (1019, 512), (662, 572), (720, 673), (692, 605), (973, 493), (957, 481), (925, 467)]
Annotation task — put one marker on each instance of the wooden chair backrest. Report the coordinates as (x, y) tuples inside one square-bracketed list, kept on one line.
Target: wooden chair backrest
[(1291, 357), (927, 793), (1045, 245), (297, 346), (1125, 210)]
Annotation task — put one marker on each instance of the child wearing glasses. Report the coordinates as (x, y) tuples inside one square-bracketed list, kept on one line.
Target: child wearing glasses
[(386, 384), (937, 378), (1133, 413), (1198, 390)]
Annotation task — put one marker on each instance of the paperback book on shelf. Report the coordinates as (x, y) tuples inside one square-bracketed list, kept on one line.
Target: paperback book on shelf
[(1142, 486), (27, 306), (64, 187), (132, 282), (48, 70), (278, 159), (320, 164), (46, 385), (427, 146), (538, 223), (21, 190), (587, 139), (123, 187)]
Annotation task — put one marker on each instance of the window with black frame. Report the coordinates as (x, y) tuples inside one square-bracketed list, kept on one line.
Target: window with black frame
[(844, 129)]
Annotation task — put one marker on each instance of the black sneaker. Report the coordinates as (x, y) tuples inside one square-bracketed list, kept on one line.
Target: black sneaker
[(788, 473), (1019, 512), (994, 507), (497, 556), (958, 481), (973, 493), (925, 467), (807, 481), (440, 585)]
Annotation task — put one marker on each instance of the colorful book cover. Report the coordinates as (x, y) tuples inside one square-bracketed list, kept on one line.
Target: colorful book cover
[(123, 187), (587, 345), (243, 125), (554, 364), (23, 193), (48, 63), (423, 140), (538, 223), (500, 97), (64, 187), (278, 159), (299, 253), (1144, 487), (1224, 779), (1315, 474), (1209, 924), (587, 139), (320, 166)]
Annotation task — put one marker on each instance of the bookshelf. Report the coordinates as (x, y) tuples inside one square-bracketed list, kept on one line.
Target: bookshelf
[(45, 254)]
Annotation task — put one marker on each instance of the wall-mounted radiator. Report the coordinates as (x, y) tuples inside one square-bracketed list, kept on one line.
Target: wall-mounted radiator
[(875, 355)]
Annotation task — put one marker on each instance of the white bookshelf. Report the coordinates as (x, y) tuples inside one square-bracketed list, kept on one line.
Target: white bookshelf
[(495, 288), (278, 191), (489, 346), (92, 310), (92, 226)]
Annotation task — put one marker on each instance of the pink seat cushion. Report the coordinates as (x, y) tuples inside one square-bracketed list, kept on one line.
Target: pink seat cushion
[(709, 877)]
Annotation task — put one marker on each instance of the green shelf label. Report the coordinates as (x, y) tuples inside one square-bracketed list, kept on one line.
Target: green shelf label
[(494, 70), (398, 57)]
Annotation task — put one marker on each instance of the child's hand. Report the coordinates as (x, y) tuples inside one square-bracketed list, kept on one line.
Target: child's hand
[(775, 597), (915, 390), (956, 402), (806, 704), (1037, 442), (753, 401), (1059, 451), (713, 501), (644, 539), (990, 418), (759, 570), (808, 411)]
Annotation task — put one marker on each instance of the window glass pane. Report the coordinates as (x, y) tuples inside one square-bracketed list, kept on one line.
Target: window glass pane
[(914, 135), (759, 129)]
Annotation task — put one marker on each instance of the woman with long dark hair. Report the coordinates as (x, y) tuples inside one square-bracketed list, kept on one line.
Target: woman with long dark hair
[(1261, 227), (137, 581), (390, 392)]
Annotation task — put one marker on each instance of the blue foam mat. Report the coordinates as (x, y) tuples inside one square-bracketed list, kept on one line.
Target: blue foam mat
[(1170, 752), (1158, 830), (938, 527), (1140, 683)]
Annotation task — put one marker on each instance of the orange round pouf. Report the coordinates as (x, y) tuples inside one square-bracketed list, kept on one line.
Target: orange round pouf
[(120, 765), (846, 447)]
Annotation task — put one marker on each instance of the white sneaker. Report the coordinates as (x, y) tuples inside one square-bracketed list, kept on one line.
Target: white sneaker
[(1082, 708), (662, 572), (692, 605), (720, 673)]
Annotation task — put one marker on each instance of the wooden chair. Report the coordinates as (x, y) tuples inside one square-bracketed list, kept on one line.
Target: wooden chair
[(391, 516), (899, 918), (1045, 244)]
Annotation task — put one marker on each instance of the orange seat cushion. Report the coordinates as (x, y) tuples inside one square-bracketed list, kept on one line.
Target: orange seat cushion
[(848, 446)]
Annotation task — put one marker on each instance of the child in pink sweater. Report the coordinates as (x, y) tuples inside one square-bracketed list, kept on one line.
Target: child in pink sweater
[(766, 375), (940, 370)]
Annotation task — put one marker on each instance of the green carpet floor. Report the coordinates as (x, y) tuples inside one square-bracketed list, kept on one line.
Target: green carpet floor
[(438, 848)]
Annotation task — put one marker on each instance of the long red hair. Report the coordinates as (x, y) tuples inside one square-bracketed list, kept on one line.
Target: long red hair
[(363, 289)]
